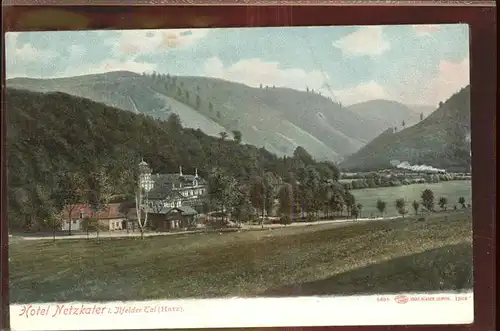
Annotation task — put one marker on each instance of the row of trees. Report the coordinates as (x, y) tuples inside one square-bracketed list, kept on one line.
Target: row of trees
[(399, 180), (305, 194), (427, 202)]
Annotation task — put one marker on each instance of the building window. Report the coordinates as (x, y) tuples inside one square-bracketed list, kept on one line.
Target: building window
[(81, 215), (74, 221)]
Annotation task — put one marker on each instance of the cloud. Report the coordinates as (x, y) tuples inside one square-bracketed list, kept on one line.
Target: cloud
[(362, 92), (368, 40), (425, 88), (19, 57), (415, 87), (152, 41), (425, 30), (451, 78), (254, 72)]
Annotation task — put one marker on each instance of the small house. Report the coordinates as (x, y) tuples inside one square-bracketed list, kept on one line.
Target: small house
[(170, 219), (109, 219)]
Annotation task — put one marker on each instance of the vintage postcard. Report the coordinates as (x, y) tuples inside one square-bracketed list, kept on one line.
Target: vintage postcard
[(249, 177)]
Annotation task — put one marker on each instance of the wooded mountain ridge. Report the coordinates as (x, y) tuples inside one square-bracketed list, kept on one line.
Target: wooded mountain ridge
[(441, 140), (278, 119), (53, 135)]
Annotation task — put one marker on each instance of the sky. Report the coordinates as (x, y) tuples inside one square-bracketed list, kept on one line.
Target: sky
[(412, 64)]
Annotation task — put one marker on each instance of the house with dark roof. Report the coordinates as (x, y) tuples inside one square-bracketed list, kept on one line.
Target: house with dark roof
[(169, 219), (176, 190)]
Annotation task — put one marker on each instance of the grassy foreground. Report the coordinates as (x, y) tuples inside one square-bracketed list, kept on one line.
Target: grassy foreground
[(371, 257)]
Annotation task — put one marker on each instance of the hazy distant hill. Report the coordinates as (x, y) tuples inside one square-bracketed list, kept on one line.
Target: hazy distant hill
[(440, 140), (386, 113), (278, 119)]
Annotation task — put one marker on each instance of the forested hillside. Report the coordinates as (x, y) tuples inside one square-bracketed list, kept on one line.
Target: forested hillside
[(52, 136), (441, 140), (277, 119)]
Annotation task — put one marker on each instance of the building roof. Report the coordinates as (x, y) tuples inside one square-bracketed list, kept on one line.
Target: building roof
[(184, 210), (111, 211), (164, 184)]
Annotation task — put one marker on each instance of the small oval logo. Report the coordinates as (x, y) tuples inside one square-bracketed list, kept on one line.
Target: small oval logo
[(401, 299)]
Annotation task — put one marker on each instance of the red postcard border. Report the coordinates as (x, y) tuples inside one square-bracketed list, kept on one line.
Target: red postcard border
[(481, 18)]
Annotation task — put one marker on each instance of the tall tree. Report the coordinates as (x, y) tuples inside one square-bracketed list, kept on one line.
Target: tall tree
[(174, 123), (241, 207), (262, 194), (198, 102), (221, 188), (141, 209), (461, 201), (70, 193), (337, 201), (443, 202), (355, 212), (270, 184), (301, 154), (286, 200), (416, 206), (311, 188), (326, 196), (381, 205), (223, 135), (257, 195), (350, 201), (401, 207), (101, 190), (427, 198), (237, 136), (359, 207)]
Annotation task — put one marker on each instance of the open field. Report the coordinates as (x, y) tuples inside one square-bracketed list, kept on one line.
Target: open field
[(371, 257), (450, 190)]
